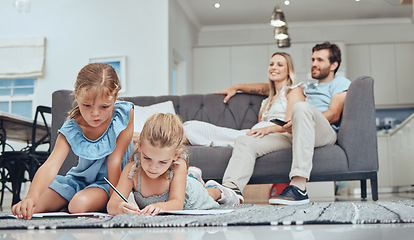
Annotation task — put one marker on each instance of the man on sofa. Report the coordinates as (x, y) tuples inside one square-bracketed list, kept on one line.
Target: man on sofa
[(311, 120)]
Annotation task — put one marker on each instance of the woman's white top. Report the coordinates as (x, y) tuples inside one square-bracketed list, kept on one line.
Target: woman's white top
[(278, 108)]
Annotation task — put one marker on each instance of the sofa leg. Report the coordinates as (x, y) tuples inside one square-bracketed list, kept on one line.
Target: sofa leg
[(363, 189), (374, 187)]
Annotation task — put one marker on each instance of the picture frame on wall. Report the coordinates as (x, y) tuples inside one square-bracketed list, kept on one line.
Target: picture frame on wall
[(118, 63)]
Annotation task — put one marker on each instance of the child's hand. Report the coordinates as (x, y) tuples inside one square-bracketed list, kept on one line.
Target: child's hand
[(151, 210), (135, 139), (24, 209), (127, 208)]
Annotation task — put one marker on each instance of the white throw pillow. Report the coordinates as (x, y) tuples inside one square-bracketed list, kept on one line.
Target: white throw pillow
[(142, 113)]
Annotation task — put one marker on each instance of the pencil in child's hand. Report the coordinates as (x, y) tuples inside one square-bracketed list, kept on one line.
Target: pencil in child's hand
[(116, 190)]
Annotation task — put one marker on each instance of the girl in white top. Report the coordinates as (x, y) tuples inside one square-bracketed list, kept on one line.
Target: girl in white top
[(260, 140)]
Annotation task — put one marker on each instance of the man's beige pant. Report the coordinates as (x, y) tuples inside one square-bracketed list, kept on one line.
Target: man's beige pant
[(310, 129)]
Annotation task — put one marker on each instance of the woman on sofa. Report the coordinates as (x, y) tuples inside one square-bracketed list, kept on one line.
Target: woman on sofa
[(251, 143)]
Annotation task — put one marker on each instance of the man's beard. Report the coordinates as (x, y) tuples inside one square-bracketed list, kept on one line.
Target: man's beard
[(323, 73)]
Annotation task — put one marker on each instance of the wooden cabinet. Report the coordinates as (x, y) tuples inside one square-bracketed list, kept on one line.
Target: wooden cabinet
[(383, 70), (404, 59), (384, 172), (216, 68), (359, 61), (395, 155), (391, 66), (401, 154)]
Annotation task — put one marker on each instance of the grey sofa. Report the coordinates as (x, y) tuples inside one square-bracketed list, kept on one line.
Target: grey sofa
[(354, 157)]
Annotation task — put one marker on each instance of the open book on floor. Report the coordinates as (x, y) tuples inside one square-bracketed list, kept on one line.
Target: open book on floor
[(197, 212), (62, 215), (102, 215)]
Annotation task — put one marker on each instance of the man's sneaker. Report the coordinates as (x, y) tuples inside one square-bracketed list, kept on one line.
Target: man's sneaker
[(228, 196), (291, 195), (196, 173)]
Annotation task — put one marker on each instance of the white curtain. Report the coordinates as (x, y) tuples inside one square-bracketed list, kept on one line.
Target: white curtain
[(22, 57)]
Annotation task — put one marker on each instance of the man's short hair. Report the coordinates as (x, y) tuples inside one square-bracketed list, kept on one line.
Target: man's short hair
[(334, 52)]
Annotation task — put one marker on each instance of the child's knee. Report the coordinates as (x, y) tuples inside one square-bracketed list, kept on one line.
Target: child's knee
[(85, 202)]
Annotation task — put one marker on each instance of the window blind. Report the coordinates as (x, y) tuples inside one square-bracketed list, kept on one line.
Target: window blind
[(22, 57)]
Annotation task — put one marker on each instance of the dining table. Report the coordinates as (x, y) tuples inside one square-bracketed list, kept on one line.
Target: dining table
[(18, 128)]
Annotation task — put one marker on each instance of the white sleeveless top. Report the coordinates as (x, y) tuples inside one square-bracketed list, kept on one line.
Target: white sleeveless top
[(278, 108)]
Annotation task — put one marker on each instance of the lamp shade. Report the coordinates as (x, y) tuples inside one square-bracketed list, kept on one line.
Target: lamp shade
[(283, 43), (278, 18), (281, 33)]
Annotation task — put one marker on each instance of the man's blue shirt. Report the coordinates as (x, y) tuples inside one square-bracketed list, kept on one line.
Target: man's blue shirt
[(320, 94)]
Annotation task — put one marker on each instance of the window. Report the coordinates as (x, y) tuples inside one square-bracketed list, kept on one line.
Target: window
[(16, 96)]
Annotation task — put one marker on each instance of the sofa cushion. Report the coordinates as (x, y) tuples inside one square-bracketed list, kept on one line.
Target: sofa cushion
[(142, 113)]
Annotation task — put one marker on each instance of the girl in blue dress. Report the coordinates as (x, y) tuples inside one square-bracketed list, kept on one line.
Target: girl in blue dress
[(158, 178), (99, 131)]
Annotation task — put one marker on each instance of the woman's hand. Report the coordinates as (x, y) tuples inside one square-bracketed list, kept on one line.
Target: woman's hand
[(229, 92), (24, 209), (151, 210), (259, 132)]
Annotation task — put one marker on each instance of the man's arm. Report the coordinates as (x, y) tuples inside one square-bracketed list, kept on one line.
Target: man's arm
[(333, 114), (252, 88)]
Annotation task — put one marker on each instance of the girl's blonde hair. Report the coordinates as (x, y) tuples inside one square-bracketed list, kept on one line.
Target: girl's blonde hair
[(163, 131), (290, 81), (98, 79)]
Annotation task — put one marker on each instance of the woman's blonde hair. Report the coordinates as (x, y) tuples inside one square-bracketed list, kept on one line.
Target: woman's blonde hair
[(98, 79), (163, 131), (290, 81)]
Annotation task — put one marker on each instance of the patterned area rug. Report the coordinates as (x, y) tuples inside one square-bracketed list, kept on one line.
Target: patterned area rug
[(245, 214)]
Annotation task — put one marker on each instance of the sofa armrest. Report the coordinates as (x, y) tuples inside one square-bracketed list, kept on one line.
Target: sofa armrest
[(357, 134)]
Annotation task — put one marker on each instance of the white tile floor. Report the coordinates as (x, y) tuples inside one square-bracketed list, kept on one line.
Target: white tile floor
[(308, 232)]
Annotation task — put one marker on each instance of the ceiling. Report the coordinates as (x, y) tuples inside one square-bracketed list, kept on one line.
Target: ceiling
[(203, 12)]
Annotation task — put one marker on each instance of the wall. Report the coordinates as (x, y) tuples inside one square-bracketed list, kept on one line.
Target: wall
[(77, 30), (182, 37)]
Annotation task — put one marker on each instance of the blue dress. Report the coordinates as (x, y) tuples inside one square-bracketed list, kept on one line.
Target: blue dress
[(92, 168)]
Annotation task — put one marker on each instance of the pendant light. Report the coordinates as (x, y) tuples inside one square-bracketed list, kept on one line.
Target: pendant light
[(278, 18), (278, 21)]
